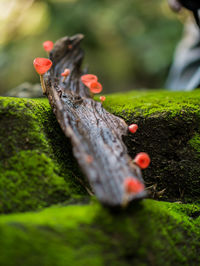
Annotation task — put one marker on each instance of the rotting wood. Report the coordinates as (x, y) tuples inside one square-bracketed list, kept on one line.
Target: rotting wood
[(95, 134)]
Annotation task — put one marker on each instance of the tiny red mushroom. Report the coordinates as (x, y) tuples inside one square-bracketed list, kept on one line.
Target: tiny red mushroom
[(88, 78), (95, 87), (42, 65), (133, 128), (89, 159), (142, 159), (48, 46), (65, 73), (102, 98), (133, 185)]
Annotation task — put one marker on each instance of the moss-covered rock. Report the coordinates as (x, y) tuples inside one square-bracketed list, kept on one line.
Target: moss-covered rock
[(37, 169), (169, 128), (36, 162), (148, 233)]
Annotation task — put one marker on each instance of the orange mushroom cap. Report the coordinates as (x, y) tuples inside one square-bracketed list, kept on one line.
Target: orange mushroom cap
[(42, 65), (133, 185), (102, 98), (133, 128), (48, 46), (88, 78), (66, 72), (142, 159), (95, 87)]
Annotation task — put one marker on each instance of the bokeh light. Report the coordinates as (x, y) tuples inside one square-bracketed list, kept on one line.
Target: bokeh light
[(129, 44)]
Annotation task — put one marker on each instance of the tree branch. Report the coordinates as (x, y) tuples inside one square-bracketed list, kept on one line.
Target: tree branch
[(96, 135)]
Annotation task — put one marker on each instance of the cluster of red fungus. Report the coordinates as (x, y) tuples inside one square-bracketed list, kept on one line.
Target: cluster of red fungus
[(91, 81), (42, 65), (142, 159), (133, 186)]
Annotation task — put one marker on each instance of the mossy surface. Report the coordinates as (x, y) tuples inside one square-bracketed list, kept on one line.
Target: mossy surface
[(153, 103), (168, 131), (36, 162), (148, 233), (37, 169), (195, 143)]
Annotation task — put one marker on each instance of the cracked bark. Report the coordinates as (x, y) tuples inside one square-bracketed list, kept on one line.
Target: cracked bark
[(95, 134)]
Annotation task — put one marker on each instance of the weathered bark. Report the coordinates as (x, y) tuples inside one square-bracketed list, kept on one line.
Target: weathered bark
[(96, 135)]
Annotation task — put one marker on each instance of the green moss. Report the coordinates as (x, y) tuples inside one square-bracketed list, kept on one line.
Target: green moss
[(195, 142), (35, 157), (30, 180), (168, 129), (149, 233), (153, 103)]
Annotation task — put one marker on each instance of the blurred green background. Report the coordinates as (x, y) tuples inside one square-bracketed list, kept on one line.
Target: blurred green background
[(129, 44)]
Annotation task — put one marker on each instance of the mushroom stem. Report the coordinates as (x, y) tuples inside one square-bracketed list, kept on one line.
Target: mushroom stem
[(64, 78), (42, 84)]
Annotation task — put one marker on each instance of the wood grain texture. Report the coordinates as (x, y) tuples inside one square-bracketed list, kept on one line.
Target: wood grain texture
[(95, 134)]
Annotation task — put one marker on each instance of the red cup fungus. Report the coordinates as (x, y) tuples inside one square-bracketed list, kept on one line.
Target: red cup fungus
[(48, 46), (95, 87), (133, 128), (91, 81), (102, 98), (42, 65), (89, 159), (65, 73), (133, 185), (88, 78), (142, 159)]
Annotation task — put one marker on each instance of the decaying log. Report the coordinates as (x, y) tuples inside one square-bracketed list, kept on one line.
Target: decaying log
[(95, 134)]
